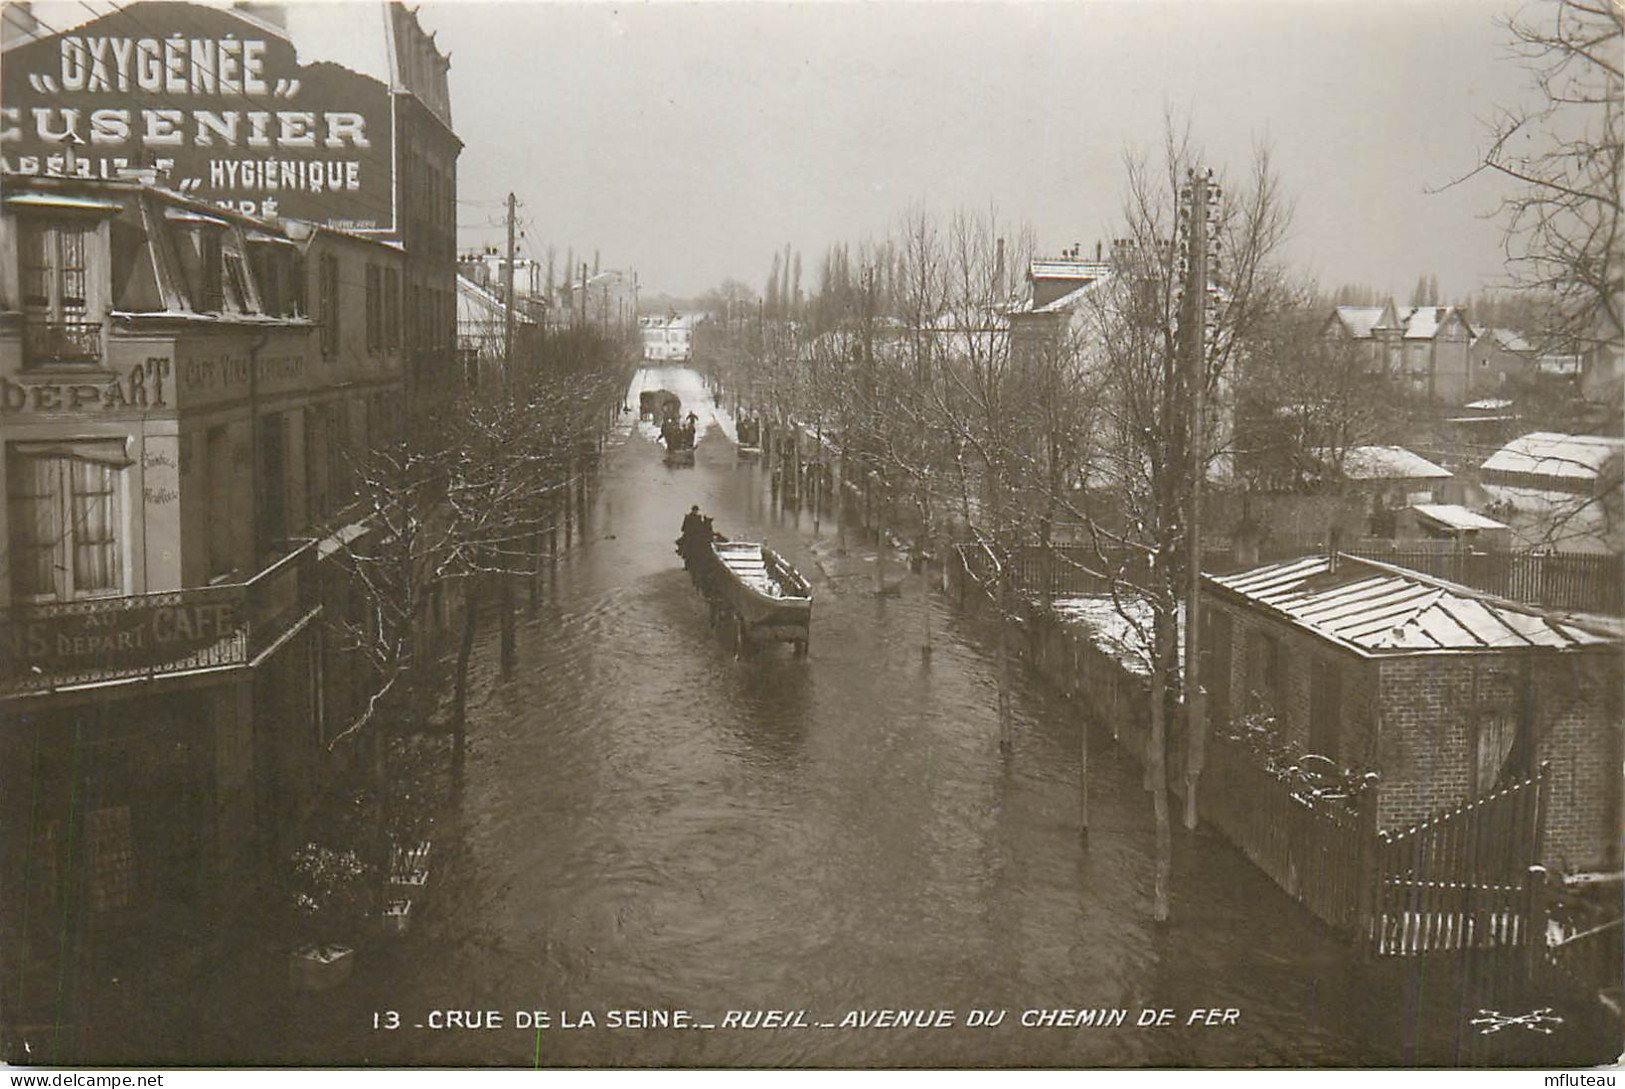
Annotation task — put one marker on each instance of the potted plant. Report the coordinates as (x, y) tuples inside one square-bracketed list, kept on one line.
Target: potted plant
[(329, 904)]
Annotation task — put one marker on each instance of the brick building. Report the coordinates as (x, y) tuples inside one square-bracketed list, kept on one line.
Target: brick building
[(1443, 690)]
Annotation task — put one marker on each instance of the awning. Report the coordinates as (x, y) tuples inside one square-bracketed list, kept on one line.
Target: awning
[(102, 451)]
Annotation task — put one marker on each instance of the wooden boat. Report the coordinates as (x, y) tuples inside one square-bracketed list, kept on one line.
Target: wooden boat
[(765, 598), (683, 455)]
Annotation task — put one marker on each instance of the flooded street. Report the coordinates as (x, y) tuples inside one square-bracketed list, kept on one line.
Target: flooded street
[(651, 824)]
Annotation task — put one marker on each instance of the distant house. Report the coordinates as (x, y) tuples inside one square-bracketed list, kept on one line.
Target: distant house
[(1427, 346), (1561, 490), (482, 322), (1444, 691), (667, 338), (1497, 357)]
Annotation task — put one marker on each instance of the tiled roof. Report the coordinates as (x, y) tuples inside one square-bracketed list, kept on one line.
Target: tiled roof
[(1379, 609)]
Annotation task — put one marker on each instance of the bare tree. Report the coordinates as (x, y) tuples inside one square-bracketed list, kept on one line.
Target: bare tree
[(1138, 471), (1563, 154)]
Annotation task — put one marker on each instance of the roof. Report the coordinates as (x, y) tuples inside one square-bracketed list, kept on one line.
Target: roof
[(1455, 516), (1068, 268), (1423, 322), (1507, 340), (1377, 609), (1418, 322), (1359, 320), (1389, 463), (1071, 299), (1548, 453)]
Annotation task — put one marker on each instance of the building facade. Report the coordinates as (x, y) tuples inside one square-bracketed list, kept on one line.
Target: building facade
[(183, 391), (212, 304), (1445, 692), (1428, 347)]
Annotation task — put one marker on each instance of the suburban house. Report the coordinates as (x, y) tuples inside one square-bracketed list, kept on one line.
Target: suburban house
[(1498, 356), (1559, 490), (1427, 346), (1445, 692)]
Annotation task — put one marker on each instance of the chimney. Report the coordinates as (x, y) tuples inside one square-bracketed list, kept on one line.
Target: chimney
[(1097, 249)]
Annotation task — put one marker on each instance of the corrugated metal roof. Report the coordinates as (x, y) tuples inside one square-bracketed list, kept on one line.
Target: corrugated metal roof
[(1378, 609)]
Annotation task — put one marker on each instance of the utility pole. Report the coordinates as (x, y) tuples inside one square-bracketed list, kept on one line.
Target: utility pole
[(510, 649), (508, 304), (1199, 213)]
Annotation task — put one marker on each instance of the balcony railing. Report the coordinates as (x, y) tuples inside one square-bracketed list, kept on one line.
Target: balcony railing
[(62, 342), (74, 644)]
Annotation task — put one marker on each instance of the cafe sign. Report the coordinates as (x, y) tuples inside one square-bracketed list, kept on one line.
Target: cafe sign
[(56, 644), (220, 103)]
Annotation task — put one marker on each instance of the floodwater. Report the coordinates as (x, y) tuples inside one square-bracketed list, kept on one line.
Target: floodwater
[(650, 824)]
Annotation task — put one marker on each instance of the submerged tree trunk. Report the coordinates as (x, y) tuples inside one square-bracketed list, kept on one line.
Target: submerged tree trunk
[(465, 654), (1006, 667), (1157, 762)]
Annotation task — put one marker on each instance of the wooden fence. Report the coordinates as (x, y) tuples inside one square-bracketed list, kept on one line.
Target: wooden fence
[(1456, 881), (1461, 879), (1314, 849), (1559, 580)]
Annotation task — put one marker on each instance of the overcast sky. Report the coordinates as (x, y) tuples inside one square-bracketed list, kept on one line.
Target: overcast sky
[(689, 141)]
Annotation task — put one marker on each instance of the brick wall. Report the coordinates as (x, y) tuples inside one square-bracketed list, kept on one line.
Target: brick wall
[(1426, 744), (1412, 719), (1298, 652)]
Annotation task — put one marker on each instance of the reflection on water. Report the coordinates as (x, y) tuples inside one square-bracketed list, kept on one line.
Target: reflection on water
[(650, 824)]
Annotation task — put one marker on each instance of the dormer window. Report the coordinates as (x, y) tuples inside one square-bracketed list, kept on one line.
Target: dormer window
[(212, 258), (53, 262)]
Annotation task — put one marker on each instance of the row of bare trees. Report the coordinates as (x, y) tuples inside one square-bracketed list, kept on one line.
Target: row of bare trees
[(986, 422), (465, 510)]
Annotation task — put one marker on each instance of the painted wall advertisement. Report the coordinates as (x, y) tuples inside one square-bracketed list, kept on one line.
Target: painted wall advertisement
[(221, 104)]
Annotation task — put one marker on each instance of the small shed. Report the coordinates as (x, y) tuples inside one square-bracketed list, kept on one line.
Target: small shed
[(1452, 522), (1445, 691)]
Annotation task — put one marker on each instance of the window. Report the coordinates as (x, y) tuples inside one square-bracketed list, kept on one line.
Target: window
[(211, 290), (51, 263), (271, 483), (219, 462), (1325, 707), (392, 308), (1263, 671), (236, 282), (335, 422), (63, 508), (375, 308), (327, 291)]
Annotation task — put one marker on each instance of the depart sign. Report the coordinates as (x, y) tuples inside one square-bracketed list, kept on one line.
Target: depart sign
[(40, 645), (219, 102)]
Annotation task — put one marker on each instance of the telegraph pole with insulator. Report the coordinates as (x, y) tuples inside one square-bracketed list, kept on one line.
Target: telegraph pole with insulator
[(1197, 305)]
